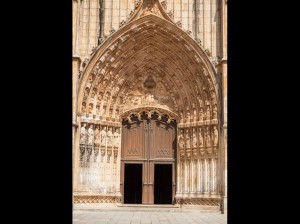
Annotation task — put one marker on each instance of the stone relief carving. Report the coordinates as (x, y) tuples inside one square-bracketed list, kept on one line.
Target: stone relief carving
[(188, 153), (195, 114), (214, 112), (194, 137), (200, 138), (117, 138), (207, 113), (83, 134), (96, 143), (181, 139), (187, 139), (109, 152), (164, 5), (109, 136), (90, 139), (103, 136), (179, 24), (137, 3), (201, 115), (122, 23), (188, 116), (215, 136), (149, 99), (207, 138)]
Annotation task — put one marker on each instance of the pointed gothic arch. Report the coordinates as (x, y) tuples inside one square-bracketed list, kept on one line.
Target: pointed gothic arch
[(183, 84)]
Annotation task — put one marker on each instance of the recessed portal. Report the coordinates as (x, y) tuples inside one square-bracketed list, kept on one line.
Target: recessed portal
[(163, 184), (133, 184)]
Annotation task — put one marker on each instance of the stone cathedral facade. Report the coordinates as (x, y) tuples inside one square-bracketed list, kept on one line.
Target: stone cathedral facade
[(150, 102)]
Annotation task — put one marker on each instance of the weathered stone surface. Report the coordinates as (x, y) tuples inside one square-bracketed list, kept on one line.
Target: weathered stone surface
[(147, 61)]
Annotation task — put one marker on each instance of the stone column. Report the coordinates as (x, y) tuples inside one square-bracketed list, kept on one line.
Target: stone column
[(224, 128)]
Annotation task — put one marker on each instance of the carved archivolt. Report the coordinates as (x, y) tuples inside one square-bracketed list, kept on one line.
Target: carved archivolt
[(150, 62)]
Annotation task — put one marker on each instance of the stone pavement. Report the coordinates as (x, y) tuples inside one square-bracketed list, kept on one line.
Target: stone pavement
[(147, 216)]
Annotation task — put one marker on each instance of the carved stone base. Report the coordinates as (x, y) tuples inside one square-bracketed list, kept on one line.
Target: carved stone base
[(83, 199), (198, 201)]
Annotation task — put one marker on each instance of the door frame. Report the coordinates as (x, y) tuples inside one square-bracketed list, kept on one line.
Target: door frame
[(173, 163)]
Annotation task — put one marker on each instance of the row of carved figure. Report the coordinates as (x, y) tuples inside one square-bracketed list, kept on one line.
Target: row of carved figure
[(96, 137), (188, 138), (202, 116)]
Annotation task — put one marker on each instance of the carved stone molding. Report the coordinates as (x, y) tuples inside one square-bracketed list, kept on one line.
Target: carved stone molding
[(96, 152), (149, 110), (96, 199), (102, 152), (198, 201), (89, 152), (82, 150), (115, 154)]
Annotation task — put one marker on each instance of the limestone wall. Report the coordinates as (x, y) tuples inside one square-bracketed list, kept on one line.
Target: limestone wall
[(202, 17)]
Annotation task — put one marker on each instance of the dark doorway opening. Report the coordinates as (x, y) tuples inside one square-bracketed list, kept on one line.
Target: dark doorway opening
[(163, 184), (133, 184)]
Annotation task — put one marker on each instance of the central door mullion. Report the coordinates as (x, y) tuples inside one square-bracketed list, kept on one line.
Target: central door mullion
[(145, 163), (150, 163)]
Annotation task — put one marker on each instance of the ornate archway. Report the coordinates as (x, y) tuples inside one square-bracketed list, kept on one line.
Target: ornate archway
[(150, 62)]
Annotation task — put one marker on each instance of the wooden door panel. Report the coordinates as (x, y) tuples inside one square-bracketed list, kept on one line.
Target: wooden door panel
[(148, 141), (163, 138), (134, 141)]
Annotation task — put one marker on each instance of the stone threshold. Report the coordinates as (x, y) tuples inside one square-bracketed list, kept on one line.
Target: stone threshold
[(147, 206)]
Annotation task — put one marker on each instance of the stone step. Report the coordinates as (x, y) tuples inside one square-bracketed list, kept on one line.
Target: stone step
[(135, 208)]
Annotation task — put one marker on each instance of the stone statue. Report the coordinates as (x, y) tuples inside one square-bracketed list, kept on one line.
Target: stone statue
[(195, 114), (200, 138), (93, 95), (83, 108), (90, 108), (208, 139), (214, 112), (181, 117), (98, 109), (194, 138), (215, 136), (188, 116), (83, 134), (109, 137), (149, 98), (187, 139), (181, 139), (90, 140), (117, 138), (103, 136), (201, 114), (207, 113)]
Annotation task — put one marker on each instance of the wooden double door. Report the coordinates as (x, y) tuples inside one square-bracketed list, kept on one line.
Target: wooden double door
[(148, 160)]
